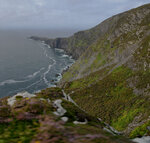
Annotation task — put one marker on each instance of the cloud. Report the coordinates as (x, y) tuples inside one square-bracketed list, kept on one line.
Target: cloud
[(60, 14), (39, 2)]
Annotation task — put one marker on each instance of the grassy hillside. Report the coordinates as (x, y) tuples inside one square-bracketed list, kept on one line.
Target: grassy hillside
[(111, 79)]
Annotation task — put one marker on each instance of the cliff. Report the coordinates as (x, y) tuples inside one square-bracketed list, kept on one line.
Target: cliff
[(109, 81)]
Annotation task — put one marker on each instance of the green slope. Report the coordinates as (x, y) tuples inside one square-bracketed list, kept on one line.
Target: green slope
[(111, 79)]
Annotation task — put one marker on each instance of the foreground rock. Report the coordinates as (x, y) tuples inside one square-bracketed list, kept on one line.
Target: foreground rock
[(142, 140)]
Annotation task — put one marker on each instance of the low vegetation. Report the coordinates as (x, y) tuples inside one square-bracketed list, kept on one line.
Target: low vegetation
[(33, 120)]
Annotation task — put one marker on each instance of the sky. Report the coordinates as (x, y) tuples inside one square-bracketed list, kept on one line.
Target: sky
[(61, 14)]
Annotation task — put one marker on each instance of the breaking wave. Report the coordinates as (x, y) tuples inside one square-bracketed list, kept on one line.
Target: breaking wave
[(29, 77), (45, 76), (36, 73)]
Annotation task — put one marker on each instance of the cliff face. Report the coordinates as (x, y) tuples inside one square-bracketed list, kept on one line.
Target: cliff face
[(111, 76), (120, 37)]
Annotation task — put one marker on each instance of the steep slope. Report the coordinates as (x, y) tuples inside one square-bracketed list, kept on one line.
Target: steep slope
[(121, 38), (111, 79), (111, 76)]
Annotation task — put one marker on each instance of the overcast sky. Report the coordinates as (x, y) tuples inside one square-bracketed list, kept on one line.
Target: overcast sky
[(59, 14)]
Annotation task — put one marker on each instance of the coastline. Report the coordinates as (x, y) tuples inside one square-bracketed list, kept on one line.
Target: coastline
[(31, 82), (57, 75)]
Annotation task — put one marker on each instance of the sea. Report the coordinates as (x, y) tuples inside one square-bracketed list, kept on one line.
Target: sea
[(28, 65)]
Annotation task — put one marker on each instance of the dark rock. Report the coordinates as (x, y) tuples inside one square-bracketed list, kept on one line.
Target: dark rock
[(148, 128), (57, 75), (52, 80), (112, 46)]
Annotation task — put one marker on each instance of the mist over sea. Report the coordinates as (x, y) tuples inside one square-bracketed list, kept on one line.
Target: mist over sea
[(27, 65)]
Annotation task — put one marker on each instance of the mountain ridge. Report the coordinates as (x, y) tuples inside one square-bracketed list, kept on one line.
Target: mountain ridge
[(64, 43)]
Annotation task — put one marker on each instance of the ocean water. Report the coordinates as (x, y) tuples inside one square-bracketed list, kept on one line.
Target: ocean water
[(27, 65)]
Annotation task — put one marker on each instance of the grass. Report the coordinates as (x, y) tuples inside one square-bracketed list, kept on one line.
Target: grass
[(88, 80), (74, 113), (18, 131), (110, 90), (140, 131), (114, 90), (126, 118), (111, 98)]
